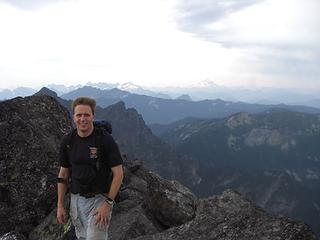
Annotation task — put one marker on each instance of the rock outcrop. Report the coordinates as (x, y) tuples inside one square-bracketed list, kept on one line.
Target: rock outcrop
[(31, 131)]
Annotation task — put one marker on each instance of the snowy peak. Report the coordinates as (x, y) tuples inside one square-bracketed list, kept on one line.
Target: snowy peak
[(129, 87), (207, 83), (103, 85)]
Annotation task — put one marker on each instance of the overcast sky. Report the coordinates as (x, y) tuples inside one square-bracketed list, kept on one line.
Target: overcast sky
[(249, 43)]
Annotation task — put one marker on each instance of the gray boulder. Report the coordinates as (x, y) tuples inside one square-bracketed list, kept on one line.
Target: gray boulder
[(171, 203), (31, 131)]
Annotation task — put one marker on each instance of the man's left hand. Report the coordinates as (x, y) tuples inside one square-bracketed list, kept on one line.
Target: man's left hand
[(102, 215)]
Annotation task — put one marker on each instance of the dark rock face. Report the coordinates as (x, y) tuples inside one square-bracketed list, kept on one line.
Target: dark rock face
[(137, 141), (31, 131), (47, 92)]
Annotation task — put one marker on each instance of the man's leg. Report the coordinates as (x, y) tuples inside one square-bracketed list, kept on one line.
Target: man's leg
[(76, 218), (94, 232)]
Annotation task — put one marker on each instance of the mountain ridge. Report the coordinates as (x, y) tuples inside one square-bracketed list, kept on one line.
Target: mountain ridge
[(164, 111), (276, 150)]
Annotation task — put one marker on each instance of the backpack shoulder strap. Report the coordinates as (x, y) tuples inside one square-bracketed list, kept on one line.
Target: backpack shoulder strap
[(101, 148)]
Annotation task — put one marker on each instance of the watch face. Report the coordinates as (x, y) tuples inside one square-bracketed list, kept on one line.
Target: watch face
[(109, 202)]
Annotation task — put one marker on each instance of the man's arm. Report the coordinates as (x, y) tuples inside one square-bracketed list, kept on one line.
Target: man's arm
[(103, 211), (117, 172), (64, 174)]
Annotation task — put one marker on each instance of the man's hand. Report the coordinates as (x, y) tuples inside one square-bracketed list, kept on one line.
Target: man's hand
[(102, 215), (61, 215)]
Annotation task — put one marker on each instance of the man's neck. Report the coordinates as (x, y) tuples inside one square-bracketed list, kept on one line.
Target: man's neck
[(86, 133)]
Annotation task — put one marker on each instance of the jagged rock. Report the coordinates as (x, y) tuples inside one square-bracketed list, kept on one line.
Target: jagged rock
[(12, 236), (171, 203), (49, 229), (130, 224), (231, 217), (31, 131), (46, 91)]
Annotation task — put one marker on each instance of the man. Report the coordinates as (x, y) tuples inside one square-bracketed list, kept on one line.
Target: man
[(92, 163)]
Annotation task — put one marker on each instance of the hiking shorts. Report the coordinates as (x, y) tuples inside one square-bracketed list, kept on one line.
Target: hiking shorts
[(82, 215)]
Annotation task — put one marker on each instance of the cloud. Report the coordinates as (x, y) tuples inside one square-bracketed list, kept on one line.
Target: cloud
[(251, 22), (277, 38), (194, 15), (29, 4)]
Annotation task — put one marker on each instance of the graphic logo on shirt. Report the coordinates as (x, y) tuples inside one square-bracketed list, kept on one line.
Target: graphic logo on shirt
[(93, 152)]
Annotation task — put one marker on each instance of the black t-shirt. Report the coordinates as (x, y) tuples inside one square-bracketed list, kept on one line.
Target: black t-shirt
[(84, 150), (82, 157)]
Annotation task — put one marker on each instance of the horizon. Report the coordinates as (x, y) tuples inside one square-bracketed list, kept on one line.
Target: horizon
[(251, 44), (195, 93), (159, 88)]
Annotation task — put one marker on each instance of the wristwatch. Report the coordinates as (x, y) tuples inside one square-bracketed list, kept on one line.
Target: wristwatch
[(110, 201)]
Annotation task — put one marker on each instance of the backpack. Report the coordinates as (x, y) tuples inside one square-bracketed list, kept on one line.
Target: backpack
[(101, 126)]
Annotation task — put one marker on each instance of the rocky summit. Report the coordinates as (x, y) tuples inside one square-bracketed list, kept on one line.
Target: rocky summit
[(149, 207), (31, 131)]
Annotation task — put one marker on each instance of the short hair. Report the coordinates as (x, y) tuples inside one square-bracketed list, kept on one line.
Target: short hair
[(84, 101)]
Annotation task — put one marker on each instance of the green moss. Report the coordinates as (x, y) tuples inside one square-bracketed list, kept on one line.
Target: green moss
[(66, 227), (44, 234)]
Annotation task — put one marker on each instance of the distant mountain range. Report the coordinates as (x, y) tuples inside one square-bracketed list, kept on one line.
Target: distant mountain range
[(20, 91), (272, 157), (279, 140), (203, 90), (164, 111)]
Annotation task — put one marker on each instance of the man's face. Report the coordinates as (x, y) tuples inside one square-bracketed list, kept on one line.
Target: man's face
[(83, 118)]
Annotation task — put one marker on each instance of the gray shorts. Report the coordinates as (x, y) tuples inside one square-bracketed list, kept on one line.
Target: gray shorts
[(81, 213)]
